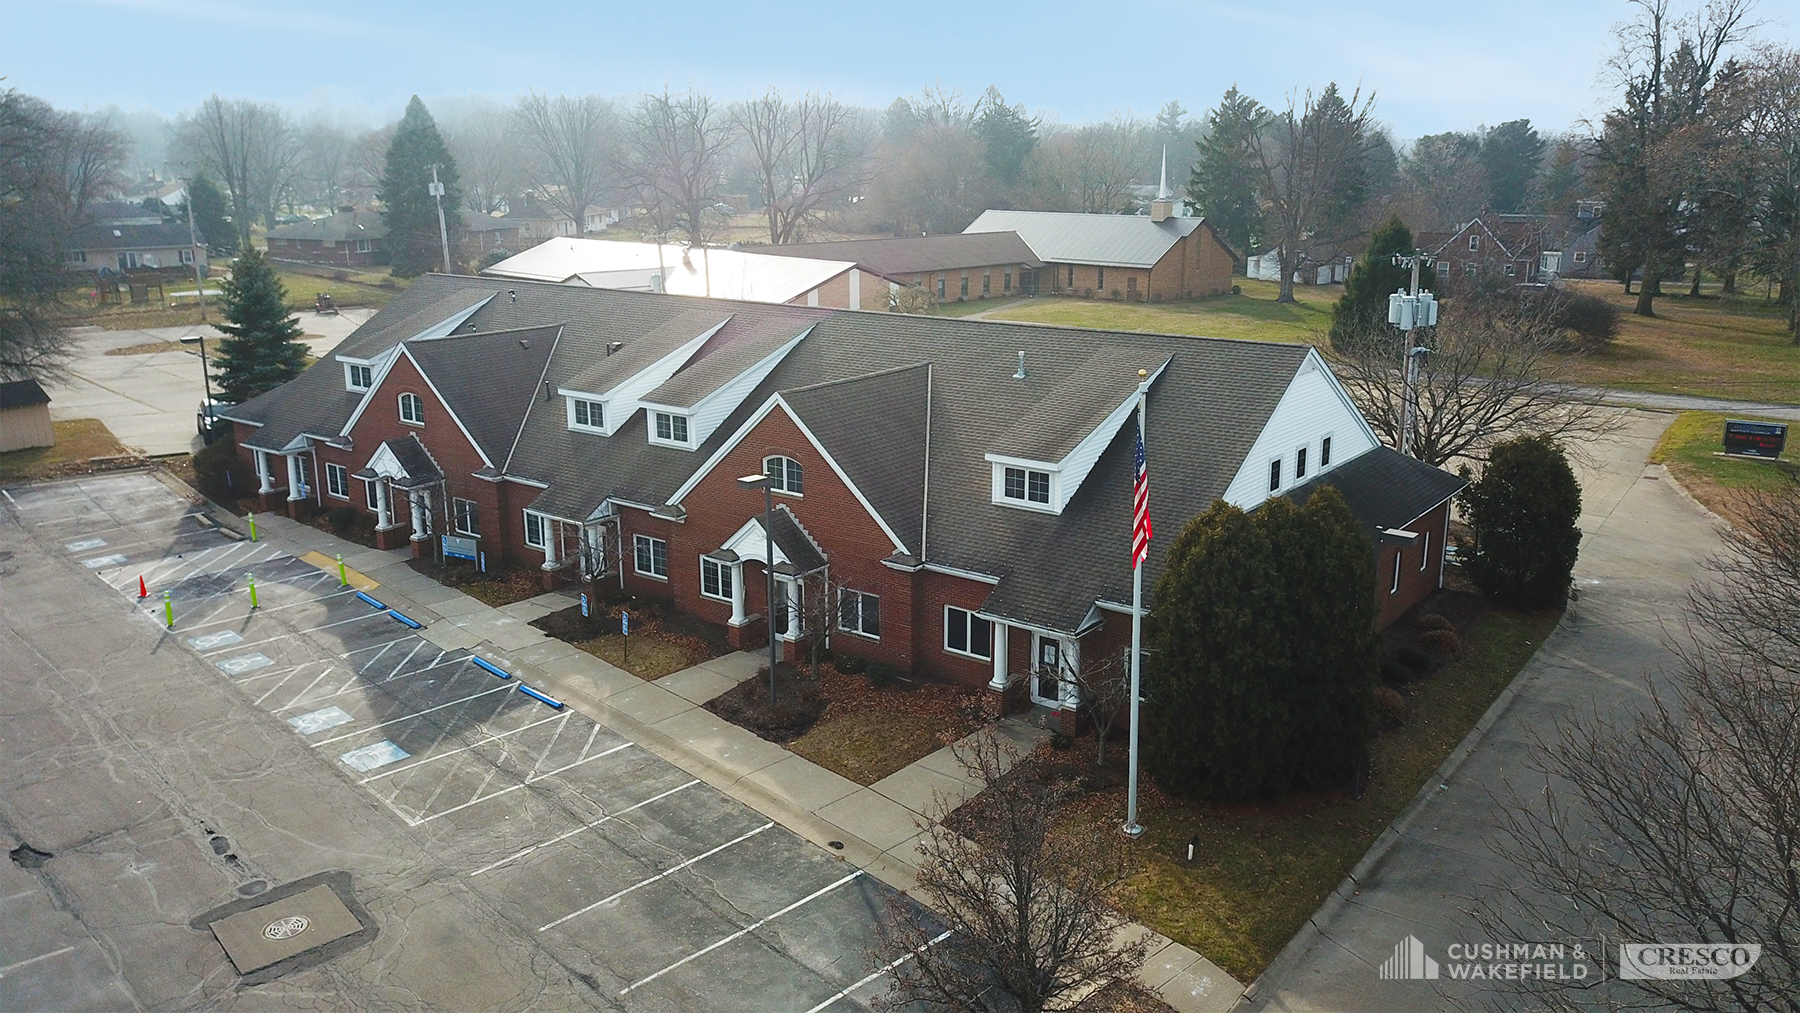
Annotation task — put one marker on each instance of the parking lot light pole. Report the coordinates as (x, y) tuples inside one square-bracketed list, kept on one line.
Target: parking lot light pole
[(752, 482), (205, 377)]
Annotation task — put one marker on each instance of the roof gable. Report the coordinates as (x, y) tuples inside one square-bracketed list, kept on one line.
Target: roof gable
[(1107, 240)]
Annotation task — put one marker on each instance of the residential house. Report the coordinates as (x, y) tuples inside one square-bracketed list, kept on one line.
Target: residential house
[(1139, 258), (350, 239), (701, 271), (954, 268), (1315, 267), (24, 416), (1579, 257), (116, 249), (956, 495), (118, 212), (485, 234), (1494, 246)]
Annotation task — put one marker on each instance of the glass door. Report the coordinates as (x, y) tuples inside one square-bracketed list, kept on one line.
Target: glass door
[(1046, 671)]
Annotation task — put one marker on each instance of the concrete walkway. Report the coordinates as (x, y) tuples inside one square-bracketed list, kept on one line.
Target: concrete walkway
[(874, 828)]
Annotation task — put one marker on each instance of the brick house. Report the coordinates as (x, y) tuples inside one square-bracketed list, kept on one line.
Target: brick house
[(954, 268), (953, 497), (347, 239), (1497, 246)]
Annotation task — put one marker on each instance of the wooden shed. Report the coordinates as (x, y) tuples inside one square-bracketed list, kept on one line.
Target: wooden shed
[(24, 416)]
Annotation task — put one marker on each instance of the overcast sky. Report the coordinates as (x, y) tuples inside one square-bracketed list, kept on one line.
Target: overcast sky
[(1435, 66)]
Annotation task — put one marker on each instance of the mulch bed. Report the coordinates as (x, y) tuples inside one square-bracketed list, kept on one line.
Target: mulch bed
[(800, 702), (835, 695), (697, 640), (495, 587)]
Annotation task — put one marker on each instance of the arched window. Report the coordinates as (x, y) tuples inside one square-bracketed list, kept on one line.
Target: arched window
[(784, 475), (412, 409)]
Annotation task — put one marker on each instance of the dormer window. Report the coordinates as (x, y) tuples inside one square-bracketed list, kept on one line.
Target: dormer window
[(587, 416), (785, 475), (1025, 484), (357, 377), (1019, 484), (670, 428)]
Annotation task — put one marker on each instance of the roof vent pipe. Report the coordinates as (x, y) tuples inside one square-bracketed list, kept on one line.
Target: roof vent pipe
[(613, 346), (546, 390), (1020, 375), (512, 294)]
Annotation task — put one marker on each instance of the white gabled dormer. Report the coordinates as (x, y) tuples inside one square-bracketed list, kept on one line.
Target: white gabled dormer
[(361, 374), (603, 412), (1048, 486), (686, 427), (1315, 427)]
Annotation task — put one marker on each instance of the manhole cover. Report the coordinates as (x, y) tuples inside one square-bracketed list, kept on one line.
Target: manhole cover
[(283, 928)]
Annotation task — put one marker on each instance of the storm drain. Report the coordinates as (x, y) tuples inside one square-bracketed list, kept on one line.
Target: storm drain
[(283, 928)]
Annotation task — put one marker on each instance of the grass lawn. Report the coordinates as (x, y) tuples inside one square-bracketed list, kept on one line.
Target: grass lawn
[(869, 745), (77, 440), (1264, 869), (359, 288), (971, 306), (650, 657), (1253, 315), (1690, 450), (1723, 346)]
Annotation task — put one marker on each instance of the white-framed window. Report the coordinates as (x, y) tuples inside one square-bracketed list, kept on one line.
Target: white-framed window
[(412, 409), (859, 612), (1275, 475), (968, 634), (1443, 269), (1474, 243), (587, 415), (1395, 587), (337, 481), (357, 377), (1299, 464), (785, 475), (1512, 270), (715, 579), (1580, 256), (467, 514), (537, 530), (187, 256), (669, 427), (371, 494), (1424, 551), (651, 556), (76, 256), (1325, 452), (362, 246), (1469, 270), (1025, 485)]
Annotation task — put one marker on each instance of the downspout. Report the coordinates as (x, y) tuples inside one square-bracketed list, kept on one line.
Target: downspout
[(925, 504)]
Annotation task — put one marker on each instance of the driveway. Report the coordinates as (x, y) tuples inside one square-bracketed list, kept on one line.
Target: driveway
[(1643, 544), (148, 401)]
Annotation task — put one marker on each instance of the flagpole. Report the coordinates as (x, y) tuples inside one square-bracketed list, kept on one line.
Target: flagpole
[(1132, 827)]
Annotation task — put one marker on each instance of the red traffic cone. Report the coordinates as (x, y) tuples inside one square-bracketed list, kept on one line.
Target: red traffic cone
[(143, 592)]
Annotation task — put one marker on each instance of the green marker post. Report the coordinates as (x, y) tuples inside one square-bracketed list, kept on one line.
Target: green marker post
[(251, 517), (250, 579), (343, 581), (168, 610)]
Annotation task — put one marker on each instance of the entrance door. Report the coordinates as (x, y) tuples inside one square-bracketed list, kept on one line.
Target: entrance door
[(779, 611), (1046, 671)]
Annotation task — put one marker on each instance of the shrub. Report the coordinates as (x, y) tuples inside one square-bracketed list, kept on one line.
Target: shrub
[(850, 664), (216, 471), (1237, 290), (1413, 658), (1060, 742), (1590, 321), (1444, 642), (1395, 674), (882, 674), (1523, 512), (1390, 707), (1433, 621), (340, 518)]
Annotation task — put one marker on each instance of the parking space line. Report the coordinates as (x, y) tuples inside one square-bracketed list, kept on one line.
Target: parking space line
[(355, 682), (32, 960), (741, 933), (608, 818), (264, 610), (166, 568), (527, 782), (285, 673), (297, 696), (409, 654), (670, 871), (878, 972), (463, 749), (415, 714), (16, 896), (294, 581), (313, 629)]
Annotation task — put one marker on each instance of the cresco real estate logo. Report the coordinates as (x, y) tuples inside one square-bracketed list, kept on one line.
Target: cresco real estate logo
[(1686, 961)]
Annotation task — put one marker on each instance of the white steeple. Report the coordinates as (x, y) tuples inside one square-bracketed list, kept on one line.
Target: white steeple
[(1162, 191), (1162, 207)]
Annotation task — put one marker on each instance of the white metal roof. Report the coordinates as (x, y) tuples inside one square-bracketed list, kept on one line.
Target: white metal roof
[(720, 274), (1074, 238)]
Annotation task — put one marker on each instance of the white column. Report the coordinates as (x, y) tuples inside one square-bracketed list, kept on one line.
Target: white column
[(265, 483), (552, 543), (384, 507), (737, 594), (1071, 663), (1002, 635), (294, 479), (416, 500)]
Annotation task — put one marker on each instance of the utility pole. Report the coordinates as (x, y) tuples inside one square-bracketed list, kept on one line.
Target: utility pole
[(1410, 311), (437, 193), (195, 253)]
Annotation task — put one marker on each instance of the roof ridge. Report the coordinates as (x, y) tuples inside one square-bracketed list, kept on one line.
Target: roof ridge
[(485, 334), (923, 363)]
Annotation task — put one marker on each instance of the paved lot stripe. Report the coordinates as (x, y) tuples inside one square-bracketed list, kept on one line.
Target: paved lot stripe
[(297, 696), (358, 581), (462, 749), (741, 933), (212, 617), (166, 567), (525, 783), (878, 972), (355, 682), (608, 818), (314, 629), (416, 714), (672, 870), (32, 960)]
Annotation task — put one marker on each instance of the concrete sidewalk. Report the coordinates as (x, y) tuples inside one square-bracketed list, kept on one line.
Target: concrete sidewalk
[(875, 828)]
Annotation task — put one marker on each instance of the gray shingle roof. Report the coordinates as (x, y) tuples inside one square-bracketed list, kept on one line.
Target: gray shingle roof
[(131, 237), (488, 378), (336, 228), (917, 254), (22, 394), (421, 469), (803, 556), (873, 426), (1384, 488), (1107, 240), (1064, 416)]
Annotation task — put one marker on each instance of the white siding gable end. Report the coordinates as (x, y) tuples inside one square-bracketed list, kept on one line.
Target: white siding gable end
[(1314, 406)]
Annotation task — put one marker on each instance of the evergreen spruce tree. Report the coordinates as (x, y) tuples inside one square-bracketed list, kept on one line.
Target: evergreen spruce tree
[(1262, 651), (262, 348), (1222, 185), (413, 241), (1524, 511), (1361, 312), (211, 219)]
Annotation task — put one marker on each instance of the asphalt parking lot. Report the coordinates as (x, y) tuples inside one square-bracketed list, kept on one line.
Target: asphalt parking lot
[(509, 853)]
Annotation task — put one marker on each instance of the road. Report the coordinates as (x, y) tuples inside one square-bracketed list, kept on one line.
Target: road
[(1642, 546)]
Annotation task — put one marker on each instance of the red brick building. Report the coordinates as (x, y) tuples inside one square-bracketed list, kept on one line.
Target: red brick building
[(352, 239), (951, 497)]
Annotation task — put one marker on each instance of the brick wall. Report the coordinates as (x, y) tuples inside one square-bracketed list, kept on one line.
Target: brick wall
[(1100, 282), (995, 273), (1416, 581), (1196, 267)]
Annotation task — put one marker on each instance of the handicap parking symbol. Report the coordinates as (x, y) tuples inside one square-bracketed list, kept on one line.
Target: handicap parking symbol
[(319, 720), (245, 663), (213, 641)]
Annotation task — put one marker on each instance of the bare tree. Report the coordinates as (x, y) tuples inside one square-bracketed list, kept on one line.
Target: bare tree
[(1312, 177), (1089, 169), (1104, 683), (1678, 824), (246, 145), (675, 148), (1496, 368), (485, 144), (810, 155), (571, 143), (323, 164), (368, 163), (1020, 915)]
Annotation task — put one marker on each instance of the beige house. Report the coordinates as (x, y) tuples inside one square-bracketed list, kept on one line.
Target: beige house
[(24, 416)]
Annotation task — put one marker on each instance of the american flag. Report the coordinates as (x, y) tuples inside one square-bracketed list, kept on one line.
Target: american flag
[(1140, 522)]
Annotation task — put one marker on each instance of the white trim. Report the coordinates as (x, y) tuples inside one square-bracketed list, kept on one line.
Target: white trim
[(340, 469), (968, 614), (400, 402), (622, 399), (709, 412), (456, 516), (651, 573), (569, 402), (350, 383), (1425, 551), (783, 489), (544, 521), (837, 619), (653, 414), (743, 431), (951, 571), (447, 409), (727, 576), (1051, 503)]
